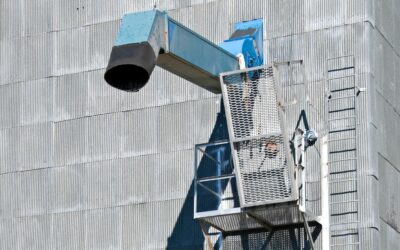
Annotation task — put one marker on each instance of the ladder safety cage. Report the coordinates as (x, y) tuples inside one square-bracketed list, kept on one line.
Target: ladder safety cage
[(264, 167)]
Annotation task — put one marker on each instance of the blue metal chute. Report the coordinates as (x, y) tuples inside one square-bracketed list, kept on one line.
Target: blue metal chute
[(195, 58), (150, 38)]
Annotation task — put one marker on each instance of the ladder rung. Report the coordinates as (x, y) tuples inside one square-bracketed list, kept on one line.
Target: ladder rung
[(342, 118), (344, 213), (342, 151), (342, 130), (343, 139), (343, 171), (348, 159), (342, 89), (341, 110), (342, 202), (344, 180), (340, 69)]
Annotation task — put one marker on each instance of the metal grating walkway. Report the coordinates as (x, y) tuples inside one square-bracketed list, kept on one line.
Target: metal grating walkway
[(343, 178)]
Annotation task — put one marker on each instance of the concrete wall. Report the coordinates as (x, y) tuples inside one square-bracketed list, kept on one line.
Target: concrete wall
[(385, 119), (85, 166)]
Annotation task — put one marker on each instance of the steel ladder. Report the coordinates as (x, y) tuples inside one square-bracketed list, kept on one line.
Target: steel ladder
[(342, 163)]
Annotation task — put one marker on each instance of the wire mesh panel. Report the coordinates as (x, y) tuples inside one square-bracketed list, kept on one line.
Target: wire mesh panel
[(260, 150), (253, 105)]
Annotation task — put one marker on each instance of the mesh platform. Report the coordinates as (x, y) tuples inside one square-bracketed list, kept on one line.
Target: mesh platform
[(256, 130)]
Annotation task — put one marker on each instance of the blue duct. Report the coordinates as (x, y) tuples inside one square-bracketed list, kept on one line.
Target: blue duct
[(150, 38), (247, 39)]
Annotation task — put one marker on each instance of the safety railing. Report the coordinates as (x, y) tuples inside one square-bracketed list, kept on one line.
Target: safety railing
[(215, 189)]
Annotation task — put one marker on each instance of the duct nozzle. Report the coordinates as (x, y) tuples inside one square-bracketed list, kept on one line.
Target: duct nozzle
[(130, 66), (140, 38)]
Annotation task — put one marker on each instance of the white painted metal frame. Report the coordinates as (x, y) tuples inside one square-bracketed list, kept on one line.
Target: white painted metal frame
[(199, 182)]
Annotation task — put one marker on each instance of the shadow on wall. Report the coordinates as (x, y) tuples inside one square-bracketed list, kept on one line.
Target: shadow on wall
[(187, 233)]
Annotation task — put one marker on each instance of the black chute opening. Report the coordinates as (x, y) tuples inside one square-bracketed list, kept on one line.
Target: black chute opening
[(130, 66)]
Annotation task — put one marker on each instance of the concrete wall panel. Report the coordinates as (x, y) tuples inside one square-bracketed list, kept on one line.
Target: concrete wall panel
[(67, 191), (70, 96), (71, 142), (104, 229), (36, 231), (33, 193), (69, 230)]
